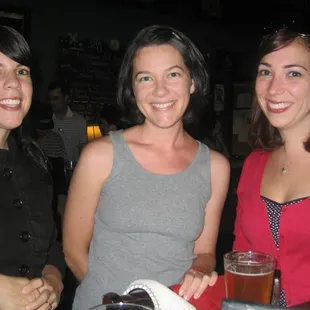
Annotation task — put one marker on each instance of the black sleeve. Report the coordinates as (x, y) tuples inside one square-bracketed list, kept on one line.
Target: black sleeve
[(55, 255)]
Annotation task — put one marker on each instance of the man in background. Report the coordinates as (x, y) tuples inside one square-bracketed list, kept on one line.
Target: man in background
[(69, 124)]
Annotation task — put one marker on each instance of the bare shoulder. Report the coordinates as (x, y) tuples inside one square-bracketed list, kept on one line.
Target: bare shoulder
[(220, 177), (98, 155), (219, 163)]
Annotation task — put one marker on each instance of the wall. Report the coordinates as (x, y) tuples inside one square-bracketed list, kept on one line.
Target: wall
[(106, 22)]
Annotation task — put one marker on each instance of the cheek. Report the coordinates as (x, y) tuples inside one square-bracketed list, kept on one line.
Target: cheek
[(140, 92), (260, 87), (301, 92), (28, 89)]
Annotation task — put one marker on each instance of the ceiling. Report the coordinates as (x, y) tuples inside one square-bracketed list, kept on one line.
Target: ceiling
[(239, 12)]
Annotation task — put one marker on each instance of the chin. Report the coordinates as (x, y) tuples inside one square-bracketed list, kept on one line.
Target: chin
[(11, 125)]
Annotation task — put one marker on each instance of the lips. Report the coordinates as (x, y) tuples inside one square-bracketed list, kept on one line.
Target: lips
[(163, 105), (10, 104), (278, 107)]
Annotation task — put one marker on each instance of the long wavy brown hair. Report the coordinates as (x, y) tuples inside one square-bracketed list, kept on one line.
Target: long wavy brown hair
[(262, 134)]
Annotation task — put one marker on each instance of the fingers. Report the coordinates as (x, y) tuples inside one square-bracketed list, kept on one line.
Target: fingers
[(33, 285), (213, 278), (195, 283), (46, 306), (41, 303), (53, 299)]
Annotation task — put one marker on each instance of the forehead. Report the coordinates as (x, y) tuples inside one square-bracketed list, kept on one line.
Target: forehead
[(295, 53), (157, 56), (5, 61)]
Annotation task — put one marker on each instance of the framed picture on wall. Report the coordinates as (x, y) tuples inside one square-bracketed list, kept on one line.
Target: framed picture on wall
[(17, 18)]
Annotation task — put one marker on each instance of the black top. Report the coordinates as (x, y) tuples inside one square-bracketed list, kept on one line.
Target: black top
[(27, 230)]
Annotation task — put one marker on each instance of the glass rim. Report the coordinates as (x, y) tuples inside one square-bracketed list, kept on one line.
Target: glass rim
[(120, 305), (269, 258)]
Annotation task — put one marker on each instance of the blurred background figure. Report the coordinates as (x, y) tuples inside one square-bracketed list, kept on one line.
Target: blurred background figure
[(69, 124), (52, 145)]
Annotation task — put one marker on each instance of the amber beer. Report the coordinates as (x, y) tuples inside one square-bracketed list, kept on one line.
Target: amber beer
[(249, 276)]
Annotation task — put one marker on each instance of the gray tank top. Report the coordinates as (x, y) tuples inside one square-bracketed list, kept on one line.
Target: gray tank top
[(145, 225)]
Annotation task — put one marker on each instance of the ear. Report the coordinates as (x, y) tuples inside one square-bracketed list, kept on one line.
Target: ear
[(192, 88)]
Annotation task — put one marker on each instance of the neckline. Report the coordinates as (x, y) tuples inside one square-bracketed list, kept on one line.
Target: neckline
[(141, 168), (262, 166), (289, 202)]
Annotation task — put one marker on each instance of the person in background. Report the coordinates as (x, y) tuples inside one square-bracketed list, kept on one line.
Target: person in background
[(143, 195), (273, 209), (50, 142), (69, 124), (32, 262), (52, 145)]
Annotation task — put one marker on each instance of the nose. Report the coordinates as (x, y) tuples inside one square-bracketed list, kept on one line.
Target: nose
[(160, 88), (276, 86), (12, 81)]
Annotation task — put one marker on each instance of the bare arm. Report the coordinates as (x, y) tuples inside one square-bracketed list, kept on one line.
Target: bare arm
[(195, 282), (205, 245), (89, 176)]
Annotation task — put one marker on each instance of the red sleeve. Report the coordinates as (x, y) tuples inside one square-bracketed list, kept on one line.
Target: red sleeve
[(241, 243)]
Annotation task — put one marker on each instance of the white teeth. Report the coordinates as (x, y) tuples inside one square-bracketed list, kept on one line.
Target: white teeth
[(279, 106), (10, 102), (162, 105)]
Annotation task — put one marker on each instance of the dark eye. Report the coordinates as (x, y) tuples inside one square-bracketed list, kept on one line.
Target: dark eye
[(145, 79), (263, 72), (23, 71), (174, 74), (294, 74)]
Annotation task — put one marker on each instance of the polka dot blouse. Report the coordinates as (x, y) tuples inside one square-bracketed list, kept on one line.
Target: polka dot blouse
[(274, 210)]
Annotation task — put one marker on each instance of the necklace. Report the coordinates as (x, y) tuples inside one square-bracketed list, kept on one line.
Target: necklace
[(284, 168)]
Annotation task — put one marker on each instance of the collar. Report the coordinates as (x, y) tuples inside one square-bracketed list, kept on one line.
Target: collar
[(68, 114)]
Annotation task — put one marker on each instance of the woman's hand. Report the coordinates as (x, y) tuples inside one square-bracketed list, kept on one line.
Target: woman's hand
[(195, 282), (49, 287), (11, 296)]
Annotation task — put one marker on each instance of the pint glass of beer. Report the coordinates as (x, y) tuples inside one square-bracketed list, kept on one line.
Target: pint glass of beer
[(249, 276)]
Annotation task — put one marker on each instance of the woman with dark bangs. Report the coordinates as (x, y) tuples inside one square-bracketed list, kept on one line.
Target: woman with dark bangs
[(31, 261)]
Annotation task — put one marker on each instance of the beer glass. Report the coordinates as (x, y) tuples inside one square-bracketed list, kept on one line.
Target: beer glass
[(249, 276), (118, 306)]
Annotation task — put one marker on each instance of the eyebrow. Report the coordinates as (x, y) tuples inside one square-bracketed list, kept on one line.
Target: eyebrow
[(168, 69), (286, 66)]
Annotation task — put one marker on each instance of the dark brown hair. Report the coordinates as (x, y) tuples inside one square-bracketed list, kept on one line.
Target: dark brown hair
[(193, 59), (262, 134), (14, 46)]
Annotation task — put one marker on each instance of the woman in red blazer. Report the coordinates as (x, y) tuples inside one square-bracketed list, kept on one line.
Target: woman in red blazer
[(273, 213)]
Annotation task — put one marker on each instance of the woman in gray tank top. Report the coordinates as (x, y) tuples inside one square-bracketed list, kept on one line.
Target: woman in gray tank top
[(146, 202)]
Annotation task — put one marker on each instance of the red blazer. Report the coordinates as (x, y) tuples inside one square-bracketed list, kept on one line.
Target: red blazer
[(252, 231)]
